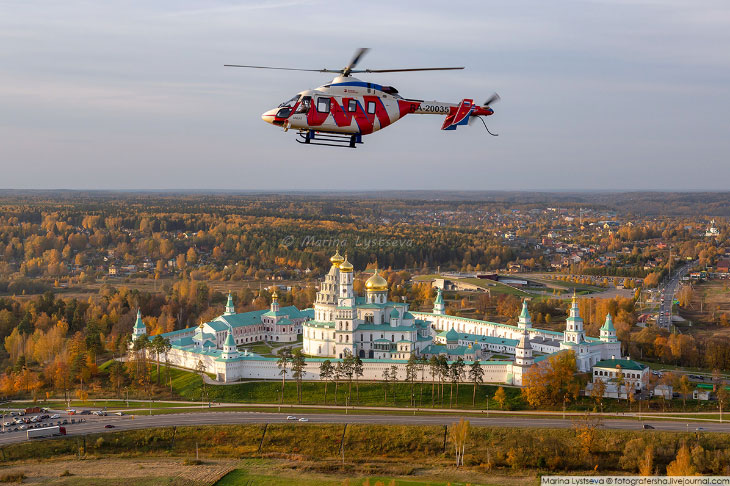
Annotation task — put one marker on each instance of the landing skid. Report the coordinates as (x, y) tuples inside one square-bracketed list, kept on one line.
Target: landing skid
[(329, 139)]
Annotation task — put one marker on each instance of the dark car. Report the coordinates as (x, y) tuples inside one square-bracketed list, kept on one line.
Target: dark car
[(109, 426), (648, 427)]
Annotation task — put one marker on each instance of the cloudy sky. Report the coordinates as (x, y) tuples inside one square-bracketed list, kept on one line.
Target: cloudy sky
[(614, 94)]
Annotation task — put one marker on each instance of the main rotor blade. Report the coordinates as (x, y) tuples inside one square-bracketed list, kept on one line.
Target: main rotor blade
[(404, 70), (355, 59), (325, 70), (493, 99)]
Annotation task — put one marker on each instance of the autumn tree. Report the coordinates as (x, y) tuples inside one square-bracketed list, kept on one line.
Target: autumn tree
[(597, 392), (682, 464), (459, 433), (500, 397)]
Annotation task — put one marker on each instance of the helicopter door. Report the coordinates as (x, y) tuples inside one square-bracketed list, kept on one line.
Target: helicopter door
[(305, 104)]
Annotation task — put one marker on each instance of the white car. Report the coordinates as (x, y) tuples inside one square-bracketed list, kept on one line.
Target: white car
[(55, 416), (304, 419), (291, 417)]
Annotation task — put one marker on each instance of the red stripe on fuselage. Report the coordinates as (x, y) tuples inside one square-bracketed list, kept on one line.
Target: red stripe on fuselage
[(406, 107)]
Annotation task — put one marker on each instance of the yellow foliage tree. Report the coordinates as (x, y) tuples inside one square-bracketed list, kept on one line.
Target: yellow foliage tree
[(682, 465)]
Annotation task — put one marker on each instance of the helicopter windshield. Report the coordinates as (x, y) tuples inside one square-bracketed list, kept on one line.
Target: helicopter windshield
[(290, 103)]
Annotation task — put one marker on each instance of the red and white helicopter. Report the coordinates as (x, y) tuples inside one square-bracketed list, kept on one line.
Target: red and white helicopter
[(341, 112)]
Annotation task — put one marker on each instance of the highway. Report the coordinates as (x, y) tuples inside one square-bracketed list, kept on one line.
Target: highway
[(97, 424), (667, 295)]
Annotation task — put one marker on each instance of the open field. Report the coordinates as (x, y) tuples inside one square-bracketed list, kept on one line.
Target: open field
[(112, 471), (330, 453), (709, 301)]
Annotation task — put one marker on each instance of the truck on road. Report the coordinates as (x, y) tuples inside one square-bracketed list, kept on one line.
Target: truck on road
[(46, 432)]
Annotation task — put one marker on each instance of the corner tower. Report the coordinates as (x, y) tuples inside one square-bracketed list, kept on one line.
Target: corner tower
[(230, 308), (524, 321), (608, 332), (438, 304), (139, 329)]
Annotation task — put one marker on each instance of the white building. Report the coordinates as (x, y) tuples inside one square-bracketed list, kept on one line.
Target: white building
[(379, 332), (621, 377)]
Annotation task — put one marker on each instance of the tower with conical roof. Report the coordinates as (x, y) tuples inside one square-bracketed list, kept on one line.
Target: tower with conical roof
[(574, 332), (230, 350), (438, 304), (139, 329), (524, 321), (608, 332), (523, 358), (230, 308), (523, 351)]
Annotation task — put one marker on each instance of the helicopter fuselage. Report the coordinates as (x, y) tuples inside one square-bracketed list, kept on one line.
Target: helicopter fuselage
[(350, 106)]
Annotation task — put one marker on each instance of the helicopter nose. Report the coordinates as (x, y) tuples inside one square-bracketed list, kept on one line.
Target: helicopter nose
[(268, 116)]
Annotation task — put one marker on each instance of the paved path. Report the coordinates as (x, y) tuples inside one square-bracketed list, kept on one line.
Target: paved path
[(667, 295)]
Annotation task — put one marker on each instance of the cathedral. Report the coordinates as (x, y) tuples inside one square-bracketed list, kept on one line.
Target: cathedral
[(369, 327)]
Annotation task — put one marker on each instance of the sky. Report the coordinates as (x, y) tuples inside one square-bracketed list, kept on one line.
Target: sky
[(596, 94)]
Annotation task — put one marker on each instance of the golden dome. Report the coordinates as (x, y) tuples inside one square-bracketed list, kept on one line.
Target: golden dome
[(337, 259), (376, 283), (346, 266)]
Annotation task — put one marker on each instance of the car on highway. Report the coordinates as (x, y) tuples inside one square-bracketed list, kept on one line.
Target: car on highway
[(291, 417), (119, 413), (304, 419), (647, 427), (109, 426), (55, 416), (699, 429)]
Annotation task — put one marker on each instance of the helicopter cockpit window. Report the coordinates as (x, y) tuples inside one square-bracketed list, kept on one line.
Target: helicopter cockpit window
[(290, 103), (304, 104)]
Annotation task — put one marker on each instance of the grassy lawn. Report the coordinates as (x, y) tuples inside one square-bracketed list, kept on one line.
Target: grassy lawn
[(578, 287), (260, 349), (91, 403), (495, 287), (188, 386), (241, 477)]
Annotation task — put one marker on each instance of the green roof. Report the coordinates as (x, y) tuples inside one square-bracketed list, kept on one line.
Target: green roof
[(138, 324), (452, 335), (524, 314), (394, 313), (439, 297), (608, 325), (626, 364), (229, 340)]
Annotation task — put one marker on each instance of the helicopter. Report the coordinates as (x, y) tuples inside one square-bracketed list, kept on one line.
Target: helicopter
[(342, 111)]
